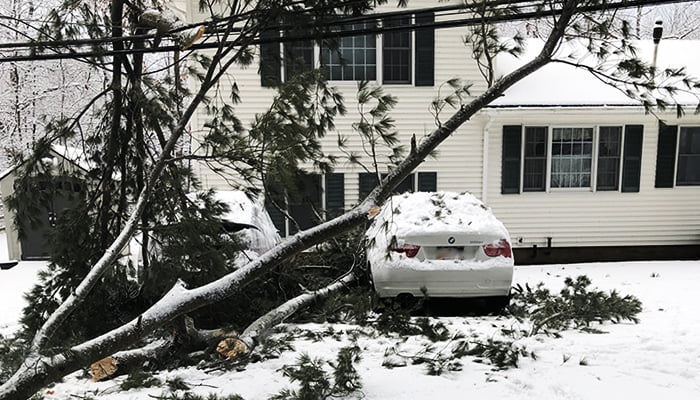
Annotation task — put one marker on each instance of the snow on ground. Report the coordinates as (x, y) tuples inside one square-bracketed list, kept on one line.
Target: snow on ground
[(14, 283), (4, 256), (657, 358)]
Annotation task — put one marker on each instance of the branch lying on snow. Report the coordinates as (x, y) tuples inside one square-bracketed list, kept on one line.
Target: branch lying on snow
[(254, 332), (230, 344), (126, 360), (185, 338)]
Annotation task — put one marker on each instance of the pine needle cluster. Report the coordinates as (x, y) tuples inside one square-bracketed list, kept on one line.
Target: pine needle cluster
[(576, 306)]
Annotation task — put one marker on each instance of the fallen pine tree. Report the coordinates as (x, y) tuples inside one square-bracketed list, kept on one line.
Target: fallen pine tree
[(186, 338)]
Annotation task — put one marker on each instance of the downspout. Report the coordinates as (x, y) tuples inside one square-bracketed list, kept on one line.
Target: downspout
[(485, 158)]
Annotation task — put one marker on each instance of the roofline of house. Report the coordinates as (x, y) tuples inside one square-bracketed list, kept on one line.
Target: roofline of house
[(545, 105), (52, 151), (7, 172), (568, 106)]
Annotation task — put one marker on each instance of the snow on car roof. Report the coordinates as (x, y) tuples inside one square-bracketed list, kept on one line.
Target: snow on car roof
[(435, 212), (560, 84), (243, 210)]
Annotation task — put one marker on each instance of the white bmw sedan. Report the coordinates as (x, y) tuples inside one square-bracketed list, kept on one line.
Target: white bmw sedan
[(439, 244)]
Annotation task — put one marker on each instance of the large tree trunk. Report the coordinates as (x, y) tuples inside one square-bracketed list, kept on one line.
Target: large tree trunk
[(230, 344)]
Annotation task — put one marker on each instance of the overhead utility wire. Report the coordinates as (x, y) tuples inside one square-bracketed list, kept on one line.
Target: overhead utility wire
[(337, 21), (338, 34), (213, 23), (334, 22)]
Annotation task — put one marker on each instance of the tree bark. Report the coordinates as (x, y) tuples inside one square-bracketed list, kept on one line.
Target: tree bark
[(185, 339), (256, 331), (228, 343)]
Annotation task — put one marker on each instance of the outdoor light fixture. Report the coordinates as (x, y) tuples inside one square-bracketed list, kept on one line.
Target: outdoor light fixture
[(658, 31), (656, 34)]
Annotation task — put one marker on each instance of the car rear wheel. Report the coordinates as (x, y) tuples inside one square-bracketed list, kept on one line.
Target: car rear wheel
[(497, 304)]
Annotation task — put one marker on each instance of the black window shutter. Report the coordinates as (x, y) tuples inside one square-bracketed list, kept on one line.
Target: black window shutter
[(270, 63), (367, 182), (425, 50), (406, 185), (666, 155), (427, 181), (632, 159), (510, 161), (275, 198), (335, 194), (304, 206)]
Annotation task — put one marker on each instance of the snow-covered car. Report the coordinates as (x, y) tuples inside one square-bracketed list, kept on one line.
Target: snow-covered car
[(249, 219), (246, 218), (439, 244)]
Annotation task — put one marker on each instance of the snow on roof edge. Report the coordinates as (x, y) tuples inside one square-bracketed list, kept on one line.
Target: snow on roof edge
[(556, 84)]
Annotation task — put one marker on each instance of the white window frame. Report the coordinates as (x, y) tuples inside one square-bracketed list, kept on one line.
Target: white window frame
[(594, 158)]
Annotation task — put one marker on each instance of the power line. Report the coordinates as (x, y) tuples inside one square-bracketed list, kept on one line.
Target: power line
[(95, 41), (622, 4), (374, 17)]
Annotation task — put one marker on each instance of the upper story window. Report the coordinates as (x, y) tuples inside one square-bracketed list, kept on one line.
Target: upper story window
[(355, 58), (298, 57), (397, 52), (540, 158), (392, 57)]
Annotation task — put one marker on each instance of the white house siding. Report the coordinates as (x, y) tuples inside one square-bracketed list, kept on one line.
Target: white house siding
[(11, 236), (460, 157), (653, 216)]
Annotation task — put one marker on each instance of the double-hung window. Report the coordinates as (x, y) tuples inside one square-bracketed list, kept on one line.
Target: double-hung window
[(572, 157), (609, 157), (678, 157), (688, 173), (403, 53), (354, 59), (397, 52), (596, 158)]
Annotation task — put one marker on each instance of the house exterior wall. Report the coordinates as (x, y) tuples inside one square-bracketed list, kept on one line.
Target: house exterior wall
[(459, 160), (11, 235), (584, 218), (470, 160)]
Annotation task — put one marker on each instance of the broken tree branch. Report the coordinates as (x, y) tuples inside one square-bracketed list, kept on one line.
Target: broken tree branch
[(228, 343), (256, 331)]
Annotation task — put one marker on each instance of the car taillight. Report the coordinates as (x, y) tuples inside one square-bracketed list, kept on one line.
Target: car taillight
[(410, 250), (500, 249)]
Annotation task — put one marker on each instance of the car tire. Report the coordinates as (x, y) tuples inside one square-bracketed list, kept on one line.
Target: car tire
[(497, 304)]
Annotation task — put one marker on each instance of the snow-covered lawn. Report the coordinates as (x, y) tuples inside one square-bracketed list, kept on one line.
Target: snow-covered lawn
[(14, 283), (655, 359)]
